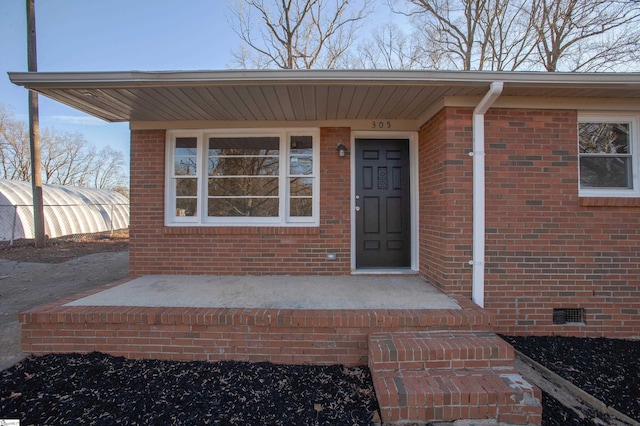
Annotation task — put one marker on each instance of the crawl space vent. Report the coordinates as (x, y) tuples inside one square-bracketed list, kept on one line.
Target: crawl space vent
[(568, 316)]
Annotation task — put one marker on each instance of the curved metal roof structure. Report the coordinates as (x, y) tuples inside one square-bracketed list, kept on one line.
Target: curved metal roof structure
[(67, 210)]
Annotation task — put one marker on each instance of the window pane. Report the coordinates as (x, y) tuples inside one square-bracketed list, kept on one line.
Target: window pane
[(605, 172), (244, 186), (186, 187), (301, 165), (301, 207), (244, 176), (186, 206), (604, 138), (243, 166), (244, 146), (186, 146), (186, 166), (243, 207), (301, 145), (301, 187)]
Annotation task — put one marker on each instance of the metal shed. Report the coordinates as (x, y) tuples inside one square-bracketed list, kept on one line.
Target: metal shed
[(67, 210)]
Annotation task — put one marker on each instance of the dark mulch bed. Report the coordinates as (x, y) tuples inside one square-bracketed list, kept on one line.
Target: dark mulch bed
[(556, 414), (98, 389), (608, 369)]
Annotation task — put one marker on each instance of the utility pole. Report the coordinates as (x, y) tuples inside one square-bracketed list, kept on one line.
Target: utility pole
[(34, 131)]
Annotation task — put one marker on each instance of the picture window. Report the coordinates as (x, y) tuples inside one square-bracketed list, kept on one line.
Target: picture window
[(242, 177)]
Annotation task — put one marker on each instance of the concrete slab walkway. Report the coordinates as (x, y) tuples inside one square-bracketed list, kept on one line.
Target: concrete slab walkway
[(274, 292)]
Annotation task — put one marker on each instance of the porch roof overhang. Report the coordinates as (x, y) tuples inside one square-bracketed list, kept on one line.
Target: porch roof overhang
[(306, 95)]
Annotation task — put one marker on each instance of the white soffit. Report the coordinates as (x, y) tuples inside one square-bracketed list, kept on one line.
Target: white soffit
[(304, 95)]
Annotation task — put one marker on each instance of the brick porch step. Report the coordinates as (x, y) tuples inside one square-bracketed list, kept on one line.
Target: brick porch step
[(446, 376), (439, 349)]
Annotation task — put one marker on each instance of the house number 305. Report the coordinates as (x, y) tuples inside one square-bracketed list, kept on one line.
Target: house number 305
[(381, 125)]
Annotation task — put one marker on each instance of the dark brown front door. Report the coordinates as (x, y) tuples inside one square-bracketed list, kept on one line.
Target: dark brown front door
[(383, 227)]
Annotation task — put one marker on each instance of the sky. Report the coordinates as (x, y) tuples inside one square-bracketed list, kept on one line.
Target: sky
[(113, 35)]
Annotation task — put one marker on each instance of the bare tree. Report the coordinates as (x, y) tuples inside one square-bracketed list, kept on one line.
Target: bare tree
[(551, 35), (67, 158), (296, 34), (14, 147), (509, 35), (455, 26), (389, 47), (108, 169), (586, 35), (473, 34)]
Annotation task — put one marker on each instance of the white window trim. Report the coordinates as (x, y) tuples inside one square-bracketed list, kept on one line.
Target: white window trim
[(170, 191), (202, 219), (634, 146)]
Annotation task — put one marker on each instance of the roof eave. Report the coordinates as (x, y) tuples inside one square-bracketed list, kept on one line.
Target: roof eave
[(301, 95), (34, 80)]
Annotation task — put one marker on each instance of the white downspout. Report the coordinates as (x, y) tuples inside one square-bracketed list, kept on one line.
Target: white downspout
[(477, 285)]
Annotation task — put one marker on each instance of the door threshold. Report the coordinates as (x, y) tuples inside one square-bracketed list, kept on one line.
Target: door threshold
[(384, 271)]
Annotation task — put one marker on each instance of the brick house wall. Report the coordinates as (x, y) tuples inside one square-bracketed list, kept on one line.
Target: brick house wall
[(445, 205), (156, 249), (546, 247)]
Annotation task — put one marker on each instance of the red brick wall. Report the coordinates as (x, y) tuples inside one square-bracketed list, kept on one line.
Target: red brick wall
[(546, 247), (156, 249), (147, 197), (446, 200)]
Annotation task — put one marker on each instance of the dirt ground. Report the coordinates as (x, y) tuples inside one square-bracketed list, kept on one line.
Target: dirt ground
[(63, 249), (30, 277)]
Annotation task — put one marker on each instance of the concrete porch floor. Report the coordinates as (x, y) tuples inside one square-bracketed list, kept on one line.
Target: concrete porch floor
[(280, 319), (273, 292)]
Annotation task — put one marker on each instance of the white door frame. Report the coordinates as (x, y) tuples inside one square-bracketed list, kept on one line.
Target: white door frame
[(414, 205)]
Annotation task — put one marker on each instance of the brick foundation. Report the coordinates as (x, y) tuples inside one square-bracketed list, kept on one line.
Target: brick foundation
[(322, 337)]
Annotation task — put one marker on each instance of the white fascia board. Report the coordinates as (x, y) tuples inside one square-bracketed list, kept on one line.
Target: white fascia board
[(382, 77)]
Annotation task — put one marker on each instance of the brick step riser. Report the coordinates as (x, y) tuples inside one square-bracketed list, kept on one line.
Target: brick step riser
[(421, 351), (448, 397), (447, 376)]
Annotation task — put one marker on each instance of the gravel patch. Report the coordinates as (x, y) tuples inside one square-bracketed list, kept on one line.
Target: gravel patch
[(608, 369), (98, 389)]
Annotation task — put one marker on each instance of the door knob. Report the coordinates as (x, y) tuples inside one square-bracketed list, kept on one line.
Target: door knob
[(357, 208)]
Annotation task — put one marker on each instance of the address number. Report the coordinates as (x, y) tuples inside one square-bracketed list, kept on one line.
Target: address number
[(381, 125)]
